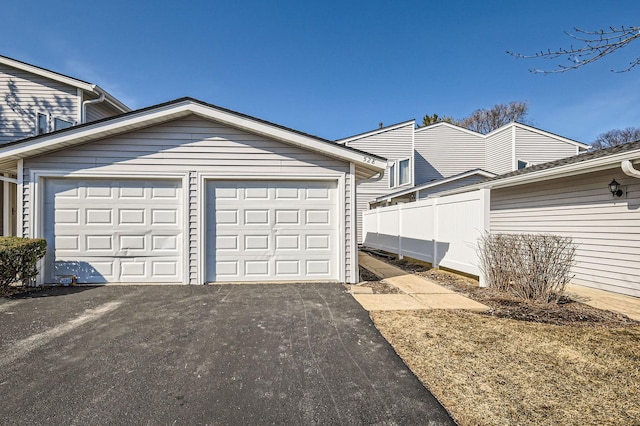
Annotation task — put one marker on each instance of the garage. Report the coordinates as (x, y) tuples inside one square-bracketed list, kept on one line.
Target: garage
[(272, 231), (186, 192), (114, 230)]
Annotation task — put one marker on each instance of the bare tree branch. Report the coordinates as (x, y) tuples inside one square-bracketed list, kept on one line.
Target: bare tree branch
[(594, 45)]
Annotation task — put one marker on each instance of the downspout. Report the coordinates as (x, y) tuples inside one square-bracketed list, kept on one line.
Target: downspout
[(629, 170), (91, 101)]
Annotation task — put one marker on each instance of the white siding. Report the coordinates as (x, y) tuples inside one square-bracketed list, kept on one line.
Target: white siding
[(443, 151), (99, 111), (606, 230), (23, 94), (500, 152), (395, 144), (450, 185), (537, 148), (190, 145)]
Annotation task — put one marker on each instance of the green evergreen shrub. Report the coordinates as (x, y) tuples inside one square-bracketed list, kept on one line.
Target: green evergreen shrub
[(19, 260)]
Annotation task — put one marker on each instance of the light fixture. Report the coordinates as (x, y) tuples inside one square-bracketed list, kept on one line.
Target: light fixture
[(614, 187)]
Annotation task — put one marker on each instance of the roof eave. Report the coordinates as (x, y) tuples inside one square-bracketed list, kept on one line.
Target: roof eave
[(375, 132), (111, 99), (551, 173), (433, 184), (171, 111)]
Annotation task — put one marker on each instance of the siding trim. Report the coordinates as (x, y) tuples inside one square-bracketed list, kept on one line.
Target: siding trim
[(514, 160), (88, 132), (37, 192), (355, 271), (453, 126), (80, 95), (20, 200), (374, 132), (571, 169), (203, 177)]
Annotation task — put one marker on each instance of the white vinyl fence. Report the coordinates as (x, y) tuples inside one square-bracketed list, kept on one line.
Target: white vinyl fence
[(443, 231)]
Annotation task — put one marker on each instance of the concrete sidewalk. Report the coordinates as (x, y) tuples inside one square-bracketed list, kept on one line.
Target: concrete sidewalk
[(420, 292), (627, 305)]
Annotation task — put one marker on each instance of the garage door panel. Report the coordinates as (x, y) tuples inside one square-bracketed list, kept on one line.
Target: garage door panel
[(125, 230), (88, 270), (273, 230)]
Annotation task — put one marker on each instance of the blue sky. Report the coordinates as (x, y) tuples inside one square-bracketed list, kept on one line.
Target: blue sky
[(336, 68)]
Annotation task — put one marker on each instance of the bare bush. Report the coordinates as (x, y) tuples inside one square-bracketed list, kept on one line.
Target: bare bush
[(529, 266)]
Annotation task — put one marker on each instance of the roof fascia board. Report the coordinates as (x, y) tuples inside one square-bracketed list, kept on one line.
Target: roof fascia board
[(436, 183), (375, 132), (452, 126), (369, 161), (112, 100), (515, 124), (95, 131), (173, 111), (552, 173), (48, 74), (551, 135)]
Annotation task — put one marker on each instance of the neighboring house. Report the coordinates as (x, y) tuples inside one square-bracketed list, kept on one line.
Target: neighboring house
[(188, 192), (396, 142), (572, 198), (420, 192), (34, 101), (444, 156)]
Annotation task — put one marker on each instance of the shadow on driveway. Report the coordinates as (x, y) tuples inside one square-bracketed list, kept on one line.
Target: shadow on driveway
[(244, 354)]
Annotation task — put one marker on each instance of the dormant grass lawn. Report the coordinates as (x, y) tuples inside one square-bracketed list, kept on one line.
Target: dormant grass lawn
[(496, 371)]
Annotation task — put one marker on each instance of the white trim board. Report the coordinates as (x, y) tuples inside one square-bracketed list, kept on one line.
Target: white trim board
[(130, 122), (37, 192), (375, 132), (204, 177)]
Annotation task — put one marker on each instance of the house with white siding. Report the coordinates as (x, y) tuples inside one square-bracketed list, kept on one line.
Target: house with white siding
[(35, 101), (443, 156), (187, 192), (572, 197)]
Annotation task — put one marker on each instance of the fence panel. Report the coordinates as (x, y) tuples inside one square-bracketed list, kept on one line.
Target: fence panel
[(443, 231)]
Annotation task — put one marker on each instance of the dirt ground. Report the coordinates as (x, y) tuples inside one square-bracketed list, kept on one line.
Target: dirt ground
[(520, 363), (566, 312)]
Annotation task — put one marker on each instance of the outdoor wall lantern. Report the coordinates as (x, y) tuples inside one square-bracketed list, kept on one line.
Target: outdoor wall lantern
[(614, 187)]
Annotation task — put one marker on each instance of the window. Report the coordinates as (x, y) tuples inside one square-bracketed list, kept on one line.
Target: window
[(404, 172), (392, 175), (399, 173), (59, 124), (42, 123)]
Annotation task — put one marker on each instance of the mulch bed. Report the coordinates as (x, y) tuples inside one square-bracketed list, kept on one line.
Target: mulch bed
[(566, 311)]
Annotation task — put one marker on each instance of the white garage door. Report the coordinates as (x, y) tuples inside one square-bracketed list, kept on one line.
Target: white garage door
[(114, 230), (272, 231)]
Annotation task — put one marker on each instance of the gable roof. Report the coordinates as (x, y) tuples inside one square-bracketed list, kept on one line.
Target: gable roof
[(65, 79), (582, 163), (178, 108), (435, 183), (376, 131), (502, 129), (540, 132), (450, 125)]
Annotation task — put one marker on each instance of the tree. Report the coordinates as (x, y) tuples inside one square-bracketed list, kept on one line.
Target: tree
[(487, 120), (593, 45), (616, 137), (427, 120)]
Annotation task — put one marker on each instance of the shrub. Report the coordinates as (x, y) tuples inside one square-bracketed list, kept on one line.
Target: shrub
[(529, 266), (19, 260)]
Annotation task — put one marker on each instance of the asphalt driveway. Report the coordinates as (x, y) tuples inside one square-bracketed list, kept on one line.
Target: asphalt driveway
[(245, 354)]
